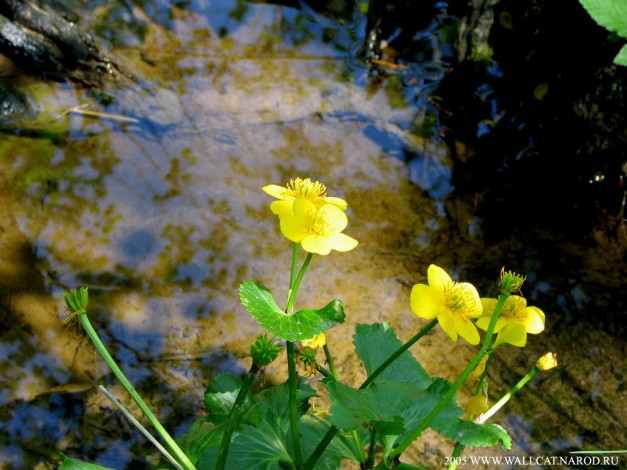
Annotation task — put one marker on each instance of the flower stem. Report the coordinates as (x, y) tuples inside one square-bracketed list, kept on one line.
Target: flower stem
[(499, 404), (172, 446), (453, 389), (327, 354), (459, 448), (295, 283), (315, 455), (292, 377), (397, 353), (233, 417)]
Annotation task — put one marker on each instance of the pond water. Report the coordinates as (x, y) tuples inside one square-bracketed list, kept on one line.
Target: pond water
[(154, 203)]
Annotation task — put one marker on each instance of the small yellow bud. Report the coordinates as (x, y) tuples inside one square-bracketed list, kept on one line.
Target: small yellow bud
[(548, 361), (477, 405), (478, 371)]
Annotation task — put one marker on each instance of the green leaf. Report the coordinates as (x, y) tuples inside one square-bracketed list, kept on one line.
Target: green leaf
[(375, 343), (313, 429), (395, 409), (380, 404), (621, 57), (611, 14), (304, 324), (267, 444), (71, 464)]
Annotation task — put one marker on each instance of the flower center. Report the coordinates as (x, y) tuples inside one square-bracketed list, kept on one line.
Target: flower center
[(513, 307), (305, 188), (318, 224), (458, 299)]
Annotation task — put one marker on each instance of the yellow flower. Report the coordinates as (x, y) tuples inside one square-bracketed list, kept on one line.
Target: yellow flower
[(512, 333), (316, 342), (477, 405), (452, 303), (548, 361), (297, 188), (515, 311), (317, 229)]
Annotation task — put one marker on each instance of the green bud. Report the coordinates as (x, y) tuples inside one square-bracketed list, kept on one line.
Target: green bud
[(264, 350), (76, 300), (510, 282)]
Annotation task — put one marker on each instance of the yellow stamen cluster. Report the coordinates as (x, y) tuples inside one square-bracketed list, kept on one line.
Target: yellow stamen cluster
[(458, 299), (305, 188)]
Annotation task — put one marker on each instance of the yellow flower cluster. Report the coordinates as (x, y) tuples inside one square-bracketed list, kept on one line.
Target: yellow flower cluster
[(309, 217), (454, 304)]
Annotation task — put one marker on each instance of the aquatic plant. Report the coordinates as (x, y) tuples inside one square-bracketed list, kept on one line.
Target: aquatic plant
[(371, 425)]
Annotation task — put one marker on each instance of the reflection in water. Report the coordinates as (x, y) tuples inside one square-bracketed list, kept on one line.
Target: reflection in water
[(162, 218)]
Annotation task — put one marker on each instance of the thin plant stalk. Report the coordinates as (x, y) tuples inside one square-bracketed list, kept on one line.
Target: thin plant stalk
[(499, 404), (141, 428), (398, 352), (292, 378), (328, 437), (459, 447), (453, 389), (295, 280), (233, 417), (171, 445)]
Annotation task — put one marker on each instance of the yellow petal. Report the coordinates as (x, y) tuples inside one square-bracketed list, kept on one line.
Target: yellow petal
[(274, 190), (293, 228), (534, 322), (512, 333), (477, 405), (447, 323), (437, 277), (488, 306), (477, 371), (425, 301), (303, 207), (336, 201), (282, 207), (314, 244), (317, 341), (341, 242), (334, 216), (467, 330), (472, 303)]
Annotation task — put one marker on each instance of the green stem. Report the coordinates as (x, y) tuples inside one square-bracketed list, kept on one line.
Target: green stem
[(172, 446), (295, 283), (397, 353), (373, 442), (292, 377), (327, 353), (359, 447), (233, 417), (499, 404), (453, 389), (315, 455), (459, 448)]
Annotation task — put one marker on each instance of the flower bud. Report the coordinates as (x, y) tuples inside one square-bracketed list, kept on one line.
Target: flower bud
[(76, 300), (510, 282), (548, 361), (264, 350)]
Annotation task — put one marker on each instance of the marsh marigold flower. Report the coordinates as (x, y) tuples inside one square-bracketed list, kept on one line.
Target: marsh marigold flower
[(317, 229), (300, 188), (515, 311), (477, 405), (452, 303)]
